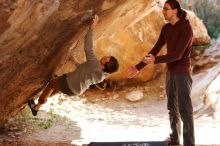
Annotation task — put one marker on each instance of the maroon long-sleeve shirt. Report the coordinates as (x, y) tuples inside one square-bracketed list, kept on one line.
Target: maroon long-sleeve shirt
[(178, 38)]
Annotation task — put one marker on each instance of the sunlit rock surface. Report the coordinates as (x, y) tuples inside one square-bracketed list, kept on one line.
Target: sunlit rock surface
[(206, 87)]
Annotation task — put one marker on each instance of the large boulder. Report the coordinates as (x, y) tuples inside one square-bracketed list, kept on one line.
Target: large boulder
[(38, 37), (35, 39), (206, 88)]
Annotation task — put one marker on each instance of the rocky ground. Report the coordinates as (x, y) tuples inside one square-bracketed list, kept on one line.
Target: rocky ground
[(102, 116)]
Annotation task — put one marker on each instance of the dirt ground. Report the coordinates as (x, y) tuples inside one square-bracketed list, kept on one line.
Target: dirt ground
[(102, 116)]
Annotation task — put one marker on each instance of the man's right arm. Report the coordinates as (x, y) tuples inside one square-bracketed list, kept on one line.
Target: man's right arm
[(88, 42), (88, 45), (134, 70), (156, 49)]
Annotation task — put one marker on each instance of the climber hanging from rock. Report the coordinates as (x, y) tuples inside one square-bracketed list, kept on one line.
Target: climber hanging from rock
[(92, 71)]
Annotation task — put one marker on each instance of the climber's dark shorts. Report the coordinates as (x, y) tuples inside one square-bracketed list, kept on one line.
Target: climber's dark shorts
[(64, 85)]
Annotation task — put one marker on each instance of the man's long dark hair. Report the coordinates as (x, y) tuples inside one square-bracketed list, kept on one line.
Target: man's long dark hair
[(111, 66), (174, 4)]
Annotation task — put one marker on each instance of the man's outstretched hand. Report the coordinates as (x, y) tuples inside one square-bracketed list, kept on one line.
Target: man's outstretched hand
[(95, 21), (132, 72), (149, 59)]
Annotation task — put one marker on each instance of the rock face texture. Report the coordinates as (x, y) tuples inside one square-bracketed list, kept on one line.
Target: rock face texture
[(35, 38), (38, 37), (206, 88), (210, 57)]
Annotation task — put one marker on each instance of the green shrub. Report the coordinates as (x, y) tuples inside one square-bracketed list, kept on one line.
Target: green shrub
[(208, 11)]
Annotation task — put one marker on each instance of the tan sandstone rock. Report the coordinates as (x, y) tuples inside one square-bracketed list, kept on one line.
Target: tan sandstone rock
[(37, 38)]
